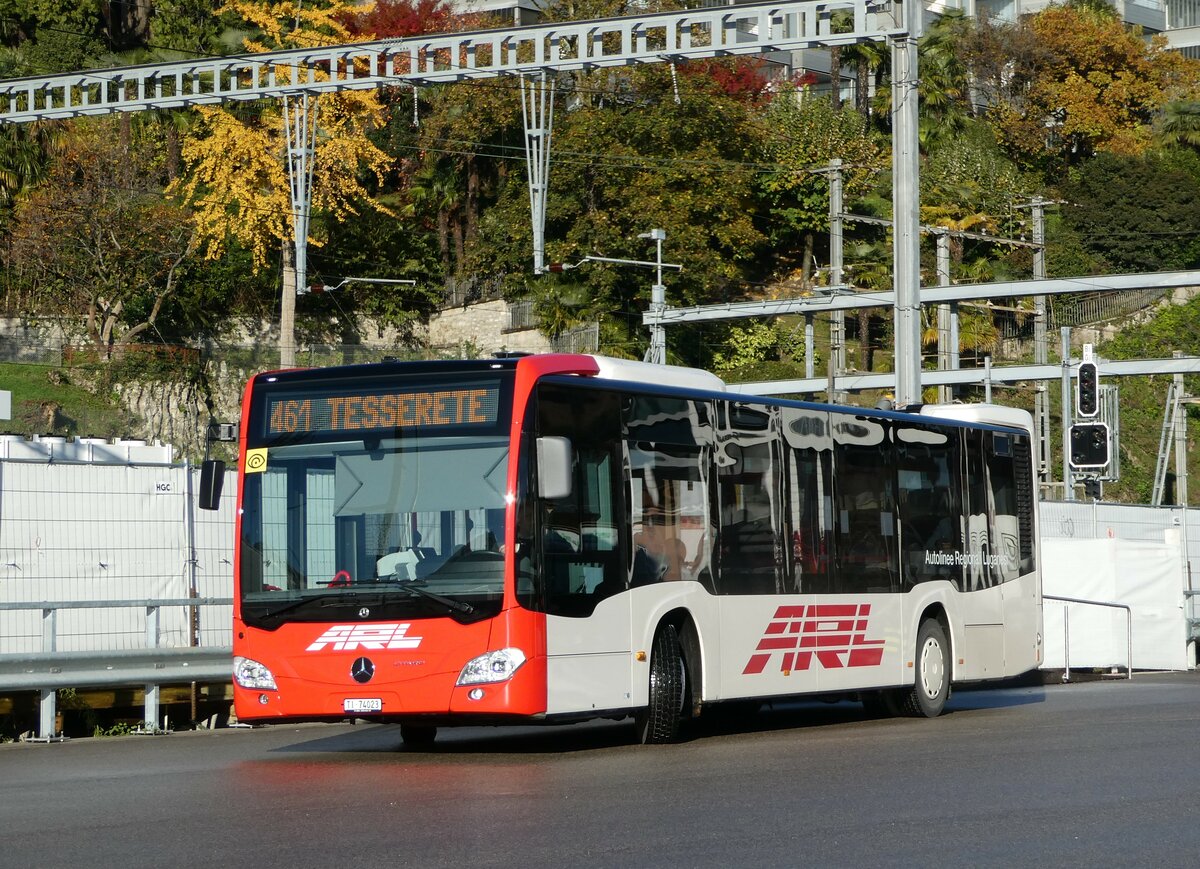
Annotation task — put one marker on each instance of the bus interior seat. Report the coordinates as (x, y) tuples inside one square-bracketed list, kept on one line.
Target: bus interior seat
[(402, 565)]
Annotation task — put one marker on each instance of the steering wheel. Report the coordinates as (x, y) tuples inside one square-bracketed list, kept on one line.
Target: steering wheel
[(342, 577)]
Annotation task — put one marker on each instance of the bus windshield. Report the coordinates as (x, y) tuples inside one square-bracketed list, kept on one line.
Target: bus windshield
[(407, 527)]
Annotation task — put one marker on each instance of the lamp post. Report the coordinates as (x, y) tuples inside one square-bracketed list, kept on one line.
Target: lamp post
[(657, 351)]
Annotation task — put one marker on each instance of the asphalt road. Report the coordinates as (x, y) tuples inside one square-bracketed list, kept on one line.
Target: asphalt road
[(1092, 774)]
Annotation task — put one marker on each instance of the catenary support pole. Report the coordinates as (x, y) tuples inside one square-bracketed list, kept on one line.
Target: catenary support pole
[(837, 322), (299, 125), (945, 392), (1041, 343), (906, 173)]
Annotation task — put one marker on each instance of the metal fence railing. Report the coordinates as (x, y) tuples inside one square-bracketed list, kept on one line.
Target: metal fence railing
[(582, 339), (521, 316), (151, 665), (1067, 629), (460, 292)]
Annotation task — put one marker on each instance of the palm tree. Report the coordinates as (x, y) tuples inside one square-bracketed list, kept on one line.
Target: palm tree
[(867, 58), (25, 151), (943, 90), (436, 189), (1181, 124)]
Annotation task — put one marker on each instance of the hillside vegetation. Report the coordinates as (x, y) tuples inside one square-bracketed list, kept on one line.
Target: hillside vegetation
[(172, 228)]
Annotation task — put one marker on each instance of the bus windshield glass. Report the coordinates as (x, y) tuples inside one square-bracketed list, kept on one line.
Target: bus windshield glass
[(405, 520)]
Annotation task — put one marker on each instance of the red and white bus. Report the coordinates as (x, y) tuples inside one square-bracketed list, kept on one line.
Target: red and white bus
[(561, 537)]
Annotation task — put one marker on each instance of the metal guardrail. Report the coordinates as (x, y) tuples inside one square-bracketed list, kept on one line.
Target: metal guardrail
[(154, 666), (1067, 629)]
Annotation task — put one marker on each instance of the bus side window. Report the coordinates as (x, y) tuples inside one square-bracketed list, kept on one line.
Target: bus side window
[(806, 433), (865, 505), (668, 510), (1004, 525), (749, 488), (667, 449), (976, 574)]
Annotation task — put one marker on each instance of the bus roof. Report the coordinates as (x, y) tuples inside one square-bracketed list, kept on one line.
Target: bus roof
[(660, 375)]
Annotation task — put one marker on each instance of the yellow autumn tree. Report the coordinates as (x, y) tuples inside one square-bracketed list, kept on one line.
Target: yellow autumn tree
[(238, 183), (1078, 82)]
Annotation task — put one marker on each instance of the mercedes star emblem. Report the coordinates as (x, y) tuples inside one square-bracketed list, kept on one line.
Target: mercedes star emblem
[(362, 670)]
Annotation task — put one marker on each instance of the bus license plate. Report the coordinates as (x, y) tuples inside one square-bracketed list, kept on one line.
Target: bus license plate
[(362, 704)]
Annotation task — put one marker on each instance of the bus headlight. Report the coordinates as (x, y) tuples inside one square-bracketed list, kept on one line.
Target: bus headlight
[(497, 666), (250, 674)]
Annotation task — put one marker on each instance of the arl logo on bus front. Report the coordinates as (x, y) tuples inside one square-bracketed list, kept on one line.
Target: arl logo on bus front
[(835, 635), (347, 638)]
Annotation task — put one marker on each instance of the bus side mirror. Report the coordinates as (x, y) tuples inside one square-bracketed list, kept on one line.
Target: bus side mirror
[(212, 478), (554, 467)]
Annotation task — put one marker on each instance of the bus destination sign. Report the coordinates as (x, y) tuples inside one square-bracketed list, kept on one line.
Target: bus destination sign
[(382, 409)]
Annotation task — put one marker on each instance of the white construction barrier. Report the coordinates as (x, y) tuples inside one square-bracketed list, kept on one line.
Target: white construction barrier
[(1148, 577)]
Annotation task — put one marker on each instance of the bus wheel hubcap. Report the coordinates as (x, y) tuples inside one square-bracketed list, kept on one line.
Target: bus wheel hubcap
[(932, 674)]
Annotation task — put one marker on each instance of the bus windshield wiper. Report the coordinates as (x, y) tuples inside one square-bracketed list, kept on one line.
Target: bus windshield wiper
[(321, 600), (416, 587)]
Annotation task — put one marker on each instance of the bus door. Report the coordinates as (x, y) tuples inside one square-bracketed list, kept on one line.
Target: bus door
[(982, 598), (1010, 483), (578, 569)]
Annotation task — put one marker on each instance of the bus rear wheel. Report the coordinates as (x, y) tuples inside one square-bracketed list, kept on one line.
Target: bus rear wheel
[(659, 722), (418, 735), (931, 689)]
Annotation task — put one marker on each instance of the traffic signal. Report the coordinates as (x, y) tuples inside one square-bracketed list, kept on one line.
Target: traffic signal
[(1088, 397), (1089, 445)]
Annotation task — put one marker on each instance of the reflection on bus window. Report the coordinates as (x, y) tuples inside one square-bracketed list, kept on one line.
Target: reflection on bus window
[(976, 572), (810, 497), (1005, 529), (931, 545), (668, 505), (865, 506), (667, 450), (749, 491)]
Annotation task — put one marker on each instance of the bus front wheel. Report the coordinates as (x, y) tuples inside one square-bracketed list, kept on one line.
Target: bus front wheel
[(931, 688), (659, 722)]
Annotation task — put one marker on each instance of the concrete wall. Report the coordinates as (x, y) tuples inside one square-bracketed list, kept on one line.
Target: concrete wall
[(482, 327)]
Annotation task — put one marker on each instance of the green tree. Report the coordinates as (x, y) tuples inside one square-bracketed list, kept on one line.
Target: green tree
[(1135, 213), (1180, 124), (98, 242), (799, 137), (626, 159)]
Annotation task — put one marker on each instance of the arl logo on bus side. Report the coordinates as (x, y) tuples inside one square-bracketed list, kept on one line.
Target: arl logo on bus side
[(833, 634), (347, 638)]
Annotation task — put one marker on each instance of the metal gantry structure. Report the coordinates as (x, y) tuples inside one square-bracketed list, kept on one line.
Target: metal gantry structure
[(531, 54)]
